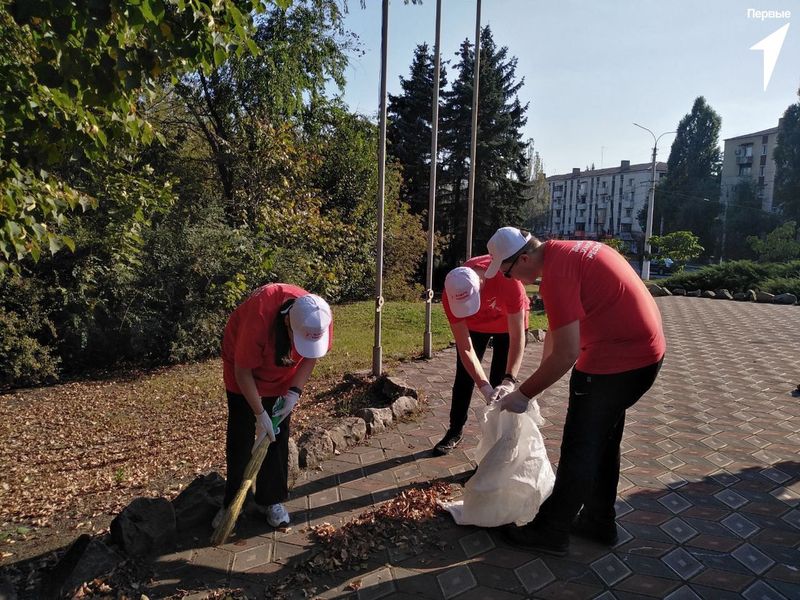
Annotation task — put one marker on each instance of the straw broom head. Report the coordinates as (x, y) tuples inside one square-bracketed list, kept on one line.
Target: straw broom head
[(225, 528)]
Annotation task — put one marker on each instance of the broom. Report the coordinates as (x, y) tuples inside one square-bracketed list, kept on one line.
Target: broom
[(225, 528)]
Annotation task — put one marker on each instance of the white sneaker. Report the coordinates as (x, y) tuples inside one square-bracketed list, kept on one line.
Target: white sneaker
[(277, 515), (218, 518)]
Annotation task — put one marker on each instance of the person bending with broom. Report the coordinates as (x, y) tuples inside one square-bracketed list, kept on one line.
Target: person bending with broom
[(271, 344)]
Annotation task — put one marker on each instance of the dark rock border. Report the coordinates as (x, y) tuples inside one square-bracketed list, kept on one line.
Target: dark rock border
[(658, 291)]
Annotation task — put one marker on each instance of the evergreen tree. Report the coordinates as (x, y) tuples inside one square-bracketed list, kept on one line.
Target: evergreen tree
[(787, 163), (744, 218), (688, 196), (501, 160), (409, 127)]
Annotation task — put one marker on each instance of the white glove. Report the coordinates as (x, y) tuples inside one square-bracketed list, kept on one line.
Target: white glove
[(263, 428), (284, 405), (487, 389), (505, 388), (515, 402)]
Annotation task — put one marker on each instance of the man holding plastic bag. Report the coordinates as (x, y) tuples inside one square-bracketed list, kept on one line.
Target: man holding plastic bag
[(601, 315), (480, 310)]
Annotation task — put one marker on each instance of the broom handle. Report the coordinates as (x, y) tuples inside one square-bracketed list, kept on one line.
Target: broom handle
[(251, 470)]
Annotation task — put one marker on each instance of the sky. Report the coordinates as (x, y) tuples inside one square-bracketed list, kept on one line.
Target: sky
[(592, 69)]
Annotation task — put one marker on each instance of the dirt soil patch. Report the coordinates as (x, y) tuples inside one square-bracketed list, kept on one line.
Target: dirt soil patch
[(73, 455)]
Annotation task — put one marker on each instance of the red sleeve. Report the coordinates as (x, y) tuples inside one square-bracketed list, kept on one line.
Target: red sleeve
[(515, 297), (561, 291), (251, 337)]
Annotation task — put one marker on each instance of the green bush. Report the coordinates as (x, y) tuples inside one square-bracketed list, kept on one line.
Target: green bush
[(782, 285), (26, 337), (736, 276)]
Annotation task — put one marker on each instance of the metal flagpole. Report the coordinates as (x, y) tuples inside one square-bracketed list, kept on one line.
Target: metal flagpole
[(428, 341), (474, 141), (377, 352)]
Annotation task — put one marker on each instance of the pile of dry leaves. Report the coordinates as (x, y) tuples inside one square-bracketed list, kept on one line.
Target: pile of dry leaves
[(402, 523)]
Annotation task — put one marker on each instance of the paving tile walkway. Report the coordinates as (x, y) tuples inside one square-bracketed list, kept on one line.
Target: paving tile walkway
[(709, 497)]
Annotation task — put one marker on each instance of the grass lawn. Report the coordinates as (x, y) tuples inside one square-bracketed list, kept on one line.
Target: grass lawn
[(403, 328)]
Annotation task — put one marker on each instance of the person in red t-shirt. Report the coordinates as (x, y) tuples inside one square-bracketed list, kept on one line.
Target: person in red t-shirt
[(601, 315), (271, 344), (478, 310)]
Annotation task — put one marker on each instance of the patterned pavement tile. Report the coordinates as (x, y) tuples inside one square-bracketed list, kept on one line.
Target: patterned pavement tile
[(534, 575), (610, 569), (456, 581), (682, 593), (683, 563), (740, 525), (476, 543), (645, 585), (762, 591), (709, 502), (679, 530), (733, 582)]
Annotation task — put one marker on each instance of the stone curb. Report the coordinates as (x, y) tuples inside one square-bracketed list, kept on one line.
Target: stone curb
[(658, 291)]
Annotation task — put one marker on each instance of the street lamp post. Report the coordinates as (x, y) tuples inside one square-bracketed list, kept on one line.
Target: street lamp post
[(648, 232)]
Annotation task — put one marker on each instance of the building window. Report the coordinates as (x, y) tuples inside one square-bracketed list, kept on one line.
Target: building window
[(748, 150), (745, 170), (763, 150), (628, 212), (761, 171), (626, 227)]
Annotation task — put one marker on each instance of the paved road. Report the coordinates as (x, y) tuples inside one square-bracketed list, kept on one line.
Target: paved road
[(709, 498)]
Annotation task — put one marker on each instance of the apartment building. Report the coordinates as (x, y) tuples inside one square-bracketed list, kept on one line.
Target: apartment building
[(602, 203), (750, 157)]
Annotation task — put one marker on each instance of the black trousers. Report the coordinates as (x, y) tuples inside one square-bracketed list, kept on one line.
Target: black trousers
[(588, 470), (272, 482), (463, 385)]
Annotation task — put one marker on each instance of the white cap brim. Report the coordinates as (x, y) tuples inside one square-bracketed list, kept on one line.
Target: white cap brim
[(494, 267), (312, 348), (467, 308)]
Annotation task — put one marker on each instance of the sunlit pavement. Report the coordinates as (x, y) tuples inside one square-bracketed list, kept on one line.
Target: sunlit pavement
[(708, 499)]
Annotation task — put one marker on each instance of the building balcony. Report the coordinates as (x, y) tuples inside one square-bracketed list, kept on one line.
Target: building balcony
[(581, 206), (626, 220), (744, 160)]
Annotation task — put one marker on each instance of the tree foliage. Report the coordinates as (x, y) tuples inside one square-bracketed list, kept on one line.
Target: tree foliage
[(687, 198), (678, 246), (410, 127), (73, 77), (787, 163), (778, 245), (500, 158), (259, 176)]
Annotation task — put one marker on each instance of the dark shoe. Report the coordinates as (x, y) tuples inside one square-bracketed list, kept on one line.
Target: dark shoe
[(536, 537), (599, 531), (448, 443)]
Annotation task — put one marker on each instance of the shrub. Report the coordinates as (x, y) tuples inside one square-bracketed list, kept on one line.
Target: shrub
[(782, 285), (736, 276), (26, 358)]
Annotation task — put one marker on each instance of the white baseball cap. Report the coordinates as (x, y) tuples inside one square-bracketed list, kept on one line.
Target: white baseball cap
[(310, 318), (504, 244), (463, 288)]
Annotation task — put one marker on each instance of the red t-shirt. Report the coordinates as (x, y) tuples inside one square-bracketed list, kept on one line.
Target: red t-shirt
[(592, 283), (249, 340), (500, 297)]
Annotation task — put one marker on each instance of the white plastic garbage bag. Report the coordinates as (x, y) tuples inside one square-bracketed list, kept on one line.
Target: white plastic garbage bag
[(514, 475)]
